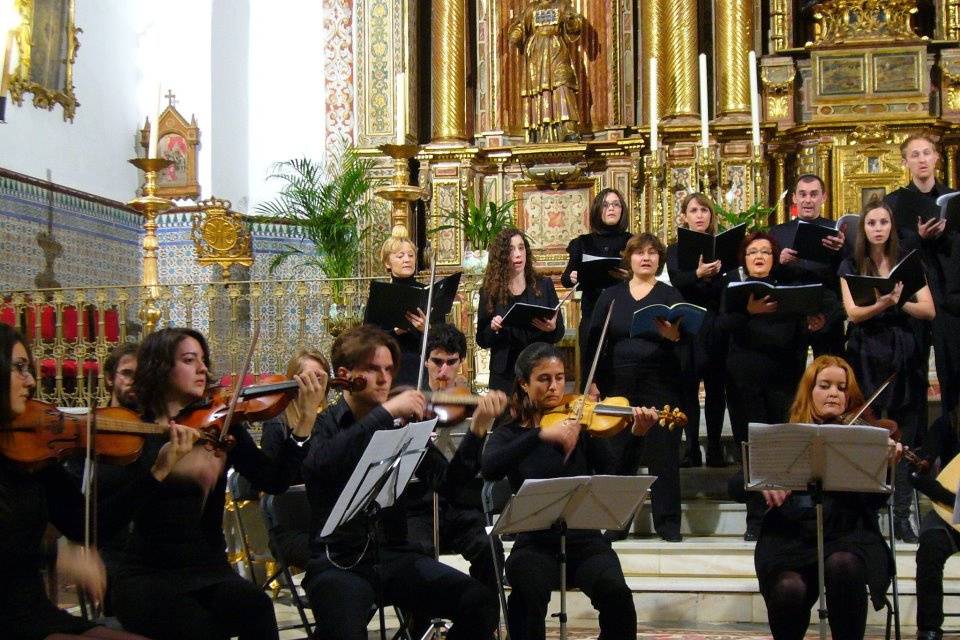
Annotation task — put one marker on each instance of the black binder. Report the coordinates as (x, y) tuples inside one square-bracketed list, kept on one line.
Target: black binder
[(808, 242), (521, 314), (724, 246), (389, 302), (644, 323), (909, 271), (595, 271), (805, 299)]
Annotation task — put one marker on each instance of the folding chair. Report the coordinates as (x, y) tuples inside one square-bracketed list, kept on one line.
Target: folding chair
[(494, 497), (289, 512)]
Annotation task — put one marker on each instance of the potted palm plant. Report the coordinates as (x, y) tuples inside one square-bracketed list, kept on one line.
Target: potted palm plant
[(481, 220), (332, 209)]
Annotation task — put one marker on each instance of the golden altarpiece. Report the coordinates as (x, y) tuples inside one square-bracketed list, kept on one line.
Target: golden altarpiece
[(841, 83)]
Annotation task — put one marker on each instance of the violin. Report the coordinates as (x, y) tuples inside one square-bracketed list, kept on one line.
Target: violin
[(865, 417), (608, 417)]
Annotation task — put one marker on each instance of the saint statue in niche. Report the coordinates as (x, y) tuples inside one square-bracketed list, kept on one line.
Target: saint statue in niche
[(547, 32)]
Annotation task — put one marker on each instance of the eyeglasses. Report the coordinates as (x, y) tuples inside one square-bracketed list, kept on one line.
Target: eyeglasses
[(760, 252), (612, 205), (450, 362), (23, 368)]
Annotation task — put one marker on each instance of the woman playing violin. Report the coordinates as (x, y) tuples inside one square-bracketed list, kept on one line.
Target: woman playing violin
[(521, 449), (31, 501), (173, 578), (856, 555)]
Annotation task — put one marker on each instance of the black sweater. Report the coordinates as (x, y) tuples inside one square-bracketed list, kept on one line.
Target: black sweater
[(506, 344), (698, 291), (608, 244), (335, 448)]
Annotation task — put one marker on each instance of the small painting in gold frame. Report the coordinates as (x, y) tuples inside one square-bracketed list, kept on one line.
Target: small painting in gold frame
[(47, 45), (179, 142), (896, 73), (551, 217), (841, 75)]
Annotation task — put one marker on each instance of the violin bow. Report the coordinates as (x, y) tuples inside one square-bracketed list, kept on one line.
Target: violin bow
[(873, 396), (90, 481), (238, 383), (426, 322), (596, 359)]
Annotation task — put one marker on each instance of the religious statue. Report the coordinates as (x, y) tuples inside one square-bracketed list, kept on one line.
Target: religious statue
[(547, 31)]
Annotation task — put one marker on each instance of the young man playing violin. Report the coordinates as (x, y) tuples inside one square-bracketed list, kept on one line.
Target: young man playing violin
[(173, 580), (460, 519), (522, 449), (346, 575)]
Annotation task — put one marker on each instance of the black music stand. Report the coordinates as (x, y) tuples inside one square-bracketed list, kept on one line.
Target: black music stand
[(817, 458)]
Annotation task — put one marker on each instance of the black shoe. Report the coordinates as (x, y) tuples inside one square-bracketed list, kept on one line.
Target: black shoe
[(614, 535), (689, 461), (903, 530), (716, 459), (671, 537), (930, 635), (752, 533)]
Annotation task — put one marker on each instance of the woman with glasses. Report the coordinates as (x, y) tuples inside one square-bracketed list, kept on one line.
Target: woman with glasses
[(31, 501), (766, 353), (701, 286), (607, 238), (882, 340)]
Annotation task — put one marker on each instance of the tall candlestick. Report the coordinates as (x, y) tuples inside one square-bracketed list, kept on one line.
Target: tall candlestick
[(155, 129), (401, 111), (754, 100), (704, 115), (653, 104)]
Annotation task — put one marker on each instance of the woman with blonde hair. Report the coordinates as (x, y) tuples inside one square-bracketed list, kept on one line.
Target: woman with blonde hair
[(399, 258)]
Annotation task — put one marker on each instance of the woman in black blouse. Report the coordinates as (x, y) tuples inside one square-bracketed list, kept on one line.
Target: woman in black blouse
[(511, 278), (173, 579), (29, 502), (701, 286), (646, 371), (399, 257), (766, 352), (607, 238), (856, 557), (519, 449)]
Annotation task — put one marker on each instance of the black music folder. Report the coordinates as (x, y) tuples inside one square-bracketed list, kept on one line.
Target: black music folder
[(912, 204), (909, 271), (389, 302), (808, 242), (724, 246), (522, 314), (595, 271), (797, 298), (644, 320)]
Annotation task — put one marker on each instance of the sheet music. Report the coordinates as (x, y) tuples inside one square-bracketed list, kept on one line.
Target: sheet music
[(844, 457), (382, 450)]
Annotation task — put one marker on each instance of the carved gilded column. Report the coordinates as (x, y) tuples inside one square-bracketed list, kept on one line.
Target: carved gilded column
[(951, 166), (650, 47), (779, 181), (733, 33), (449, 70), (823, 170), (679, 66)]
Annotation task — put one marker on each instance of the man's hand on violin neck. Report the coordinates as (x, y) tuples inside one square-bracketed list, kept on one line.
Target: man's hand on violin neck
[(407, 404)]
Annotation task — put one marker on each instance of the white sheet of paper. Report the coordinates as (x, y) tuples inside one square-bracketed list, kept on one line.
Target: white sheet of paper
[(384, 445), (785, 456)]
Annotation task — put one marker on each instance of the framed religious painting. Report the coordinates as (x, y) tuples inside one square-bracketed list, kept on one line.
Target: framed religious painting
[(552, 217), (47, 46), (179, 142)]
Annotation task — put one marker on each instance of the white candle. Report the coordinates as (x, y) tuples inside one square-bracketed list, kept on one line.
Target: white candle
[(401, 112), (155, 129), (704, 114), (754, 100), (653, 104)]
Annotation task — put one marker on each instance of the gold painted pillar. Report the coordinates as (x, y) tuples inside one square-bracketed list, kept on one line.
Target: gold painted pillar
[(733, 39), (449, 70), (678, 69), (780, 179), (951, 166), (650, 47)]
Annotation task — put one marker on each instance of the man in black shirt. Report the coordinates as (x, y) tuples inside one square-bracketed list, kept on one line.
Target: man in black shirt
[(809, 195), (346, 576)]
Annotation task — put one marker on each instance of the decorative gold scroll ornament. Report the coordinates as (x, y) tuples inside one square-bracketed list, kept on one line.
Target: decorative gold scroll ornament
[(843, 21), (47, 46), (220, 236)]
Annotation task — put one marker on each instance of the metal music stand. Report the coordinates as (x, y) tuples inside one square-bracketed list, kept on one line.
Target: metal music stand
[(817, 458), (579, 502)]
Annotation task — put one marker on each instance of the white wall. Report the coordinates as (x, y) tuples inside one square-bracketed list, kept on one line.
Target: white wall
[(229, 137), (91, 153)]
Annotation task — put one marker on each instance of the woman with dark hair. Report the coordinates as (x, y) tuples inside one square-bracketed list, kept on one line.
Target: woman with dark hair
[(705, 355), (519, 449), (173, 579), (856, 557), (511, 278), (607, 238), (766, 352), (646, 371), (30, 501), (882, 339)]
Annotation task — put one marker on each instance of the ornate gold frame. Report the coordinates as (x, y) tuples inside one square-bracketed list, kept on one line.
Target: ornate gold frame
[(23, 81)]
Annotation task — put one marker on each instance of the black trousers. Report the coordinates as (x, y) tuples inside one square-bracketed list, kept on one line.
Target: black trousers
[(792, 594), (533, 571), (343, 601), (937, 543), (161, 607), (715, 404)]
